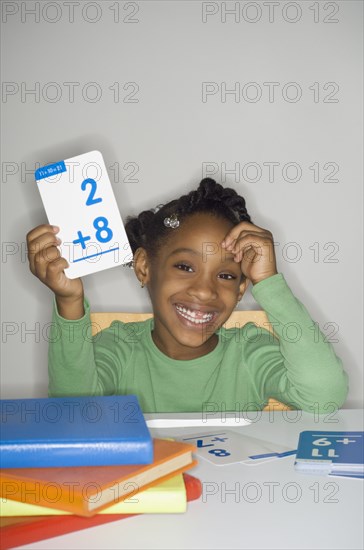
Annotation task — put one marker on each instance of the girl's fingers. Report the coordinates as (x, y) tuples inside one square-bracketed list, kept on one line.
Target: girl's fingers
[(252, 247), (38, 248), (250, 253), (40, 230), (242, 227), (43, 258), (54, 271), (257, 239), (39, 235), (249, 236)]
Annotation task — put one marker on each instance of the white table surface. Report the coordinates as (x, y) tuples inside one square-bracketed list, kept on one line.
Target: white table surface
[(298, 512)]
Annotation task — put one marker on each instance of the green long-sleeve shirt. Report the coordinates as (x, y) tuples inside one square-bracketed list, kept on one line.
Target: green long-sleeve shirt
[(246, 368)]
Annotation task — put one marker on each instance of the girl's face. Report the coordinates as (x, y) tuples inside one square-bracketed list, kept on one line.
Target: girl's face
[(194, 285)]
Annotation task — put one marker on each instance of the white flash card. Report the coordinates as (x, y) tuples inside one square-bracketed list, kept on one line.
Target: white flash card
[(78, 198), (228, 447)]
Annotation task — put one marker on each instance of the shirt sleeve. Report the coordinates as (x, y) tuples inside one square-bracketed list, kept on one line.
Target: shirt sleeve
[(79, 363), (304, 372)]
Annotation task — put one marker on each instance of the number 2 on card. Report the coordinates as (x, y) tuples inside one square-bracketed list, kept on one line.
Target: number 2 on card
[(90, 200)]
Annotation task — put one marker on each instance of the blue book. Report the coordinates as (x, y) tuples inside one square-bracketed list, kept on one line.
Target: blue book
[(74, 431), (332, 453)]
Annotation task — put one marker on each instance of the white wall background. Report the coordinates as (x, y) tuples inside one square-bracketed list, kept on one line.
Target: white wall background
[(174, 135)]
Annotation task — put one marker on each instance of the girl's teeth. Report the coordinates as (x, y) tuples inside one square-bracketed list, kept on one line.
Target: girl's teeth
[(191, 315)]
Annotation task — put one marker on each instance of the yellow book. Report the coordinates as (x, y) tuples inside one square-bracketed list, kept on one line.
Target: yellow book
[(168, 497)]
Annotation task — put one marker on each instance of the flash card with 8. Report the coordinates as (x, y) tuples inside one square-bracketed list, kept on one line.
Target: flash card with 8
[(78, 198), (228, 447)]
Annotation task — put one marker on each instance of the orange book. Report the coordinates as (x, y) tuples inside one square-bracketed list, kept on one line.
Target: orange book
[(84, 491)]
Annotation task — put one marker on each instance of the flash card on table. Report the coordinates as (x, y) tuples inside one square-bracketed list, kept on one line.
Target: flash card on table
[(78, 198), (228, 447), (331, 453)]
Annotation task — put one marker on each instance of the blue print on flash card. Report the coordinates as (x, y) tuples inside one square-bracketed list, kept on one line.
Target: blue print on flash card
[(50, 170)]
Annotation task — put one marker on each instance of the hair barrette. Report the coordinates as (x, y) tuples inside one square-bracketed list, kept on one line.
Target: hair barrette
[(157, 208), (172, 221)]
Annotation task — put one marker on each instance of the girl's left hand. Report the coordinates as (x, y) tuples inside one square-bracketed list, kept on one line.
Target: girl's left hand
[(253, 246)]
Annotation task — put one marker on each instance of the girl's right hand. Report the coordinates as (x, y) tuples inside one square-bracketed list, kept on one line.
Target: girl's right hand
[(46, 263)]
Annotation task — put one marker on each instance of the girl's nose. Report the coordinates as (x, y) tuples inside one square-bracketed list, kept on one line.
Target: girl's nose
[(203, 288)]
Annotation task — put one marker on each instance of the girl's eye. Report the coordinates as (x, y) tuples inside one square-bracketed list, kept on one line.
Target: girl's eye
[(231, 277), (183, 265)]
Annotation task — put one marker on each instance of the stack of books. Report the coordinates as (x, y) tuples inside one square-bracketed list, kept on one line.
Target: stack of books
[(91, 459), (331, 453)]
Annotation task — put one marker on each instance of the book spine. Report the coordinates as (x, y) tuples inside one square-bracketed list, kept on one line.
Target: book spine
[(53, 495), (52, 455)]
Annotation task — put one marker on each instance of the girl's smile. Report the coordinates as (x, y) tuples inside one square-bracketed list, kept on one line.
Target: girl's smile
[(195, 314), (194, 317)]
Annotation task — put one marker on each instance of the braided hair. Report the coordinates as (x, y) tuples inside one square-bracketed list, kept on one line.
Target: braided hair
[(147, 230)]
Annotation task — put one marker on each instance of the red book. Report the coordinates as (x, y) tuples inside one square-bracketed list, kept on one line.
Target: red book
[(17, 531)]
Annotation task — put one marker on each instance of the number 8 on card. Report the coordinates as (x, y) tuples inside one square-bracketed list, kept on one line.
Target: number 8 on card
[(78, 198)]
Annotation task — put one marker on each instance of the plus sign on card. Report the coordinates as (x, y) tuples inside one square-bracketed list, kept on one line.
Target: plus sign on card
[(78, 198)]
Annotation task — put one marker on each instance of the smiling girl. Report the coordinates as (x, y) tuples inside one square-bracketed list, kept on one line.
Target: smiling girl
[(196, 257)]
